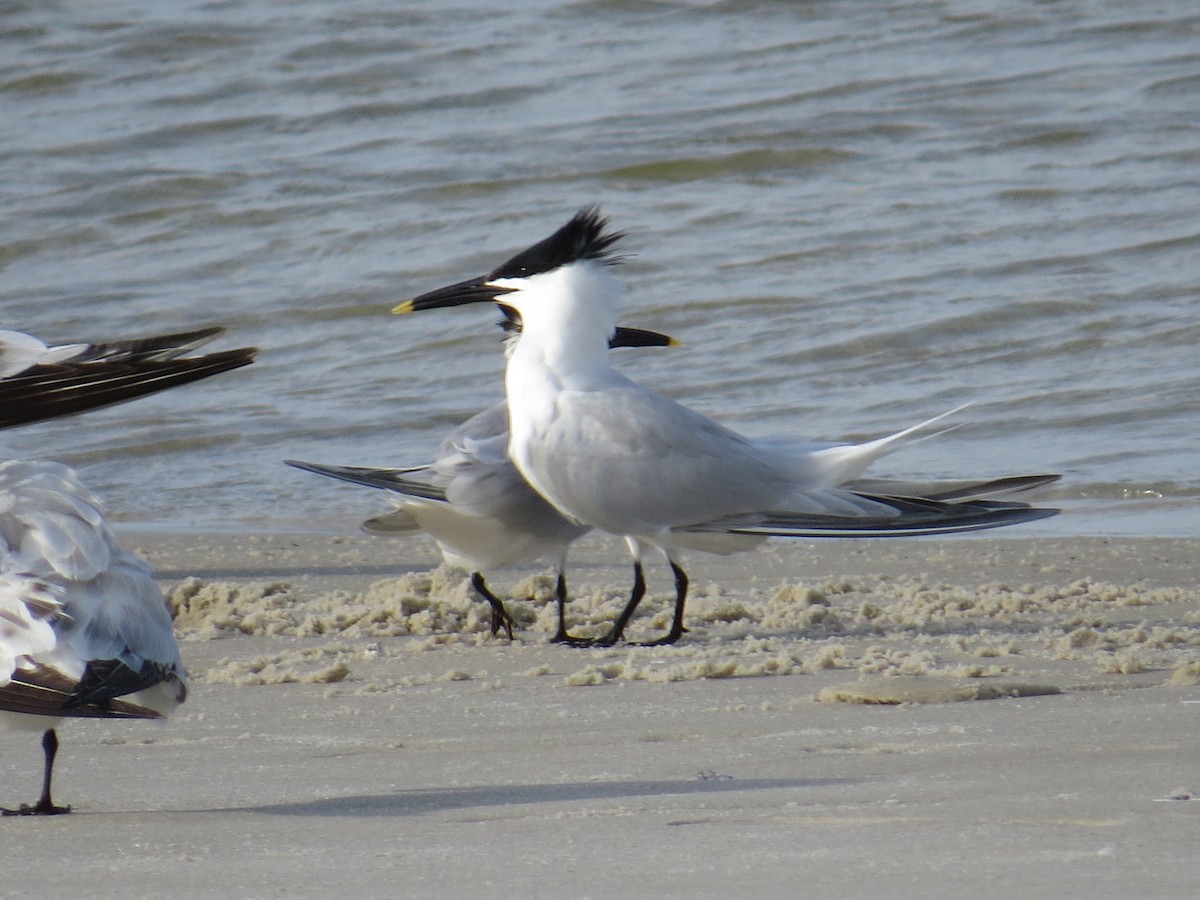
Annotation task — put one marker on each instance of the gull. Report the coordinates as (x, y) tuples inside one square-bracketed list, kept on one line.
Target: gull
[(40, 382), (607, 452), (476, 505), (84, 629)]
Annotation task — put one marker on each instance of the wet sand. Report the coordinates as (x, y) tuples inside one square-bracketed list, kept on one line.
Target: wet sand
[(985, 717)]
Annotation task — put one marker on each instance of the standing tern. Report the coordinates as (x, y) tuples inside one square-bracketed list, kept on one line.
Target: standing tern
[(607, 452), (474, 502), (40, 382)]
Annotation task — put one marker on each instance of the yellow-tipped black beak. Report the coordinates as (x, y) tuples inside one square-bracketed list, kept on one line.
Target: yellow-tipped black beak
[(640, 337), (473, 290)]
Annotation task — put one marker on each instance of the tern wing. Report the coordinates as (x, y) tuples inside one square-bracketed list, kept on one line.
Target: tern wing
[(631, 461), (949, 491), (401, 481), (482, 516), (908, 518)]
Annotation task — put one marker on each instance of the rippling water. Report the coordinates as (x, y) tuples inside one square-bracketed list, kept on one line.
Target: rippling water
[(854, 215)]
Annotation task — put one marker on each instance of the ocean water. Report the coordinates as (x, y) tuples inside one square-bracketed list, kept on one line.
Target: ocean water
[(854, 215)]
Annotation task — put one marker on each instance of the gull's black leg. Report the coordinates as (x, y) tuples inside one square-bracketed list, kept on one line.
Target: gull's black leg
[(500, 616), (45, 806)]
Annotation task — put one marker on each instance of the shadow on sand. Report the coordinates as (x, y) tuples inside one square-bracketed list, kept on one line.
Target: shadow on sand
[(418, 802)]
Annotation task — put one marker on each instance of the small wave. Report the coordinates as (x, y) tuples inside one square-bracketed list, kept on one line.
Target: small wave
[(744, 162)]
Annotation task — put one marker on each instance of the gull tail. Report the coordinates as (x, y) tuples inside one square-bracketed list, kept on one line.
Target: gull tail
[(105, 680), (49, 391), (43, 691)]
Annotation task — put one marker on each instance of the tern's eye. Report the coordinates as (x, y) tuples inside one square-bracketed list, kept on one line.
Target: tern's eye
[(509, 270)]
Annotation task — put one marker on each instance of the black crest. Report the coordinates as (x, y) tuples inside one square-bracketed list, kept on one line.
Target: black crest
[(584, 237)]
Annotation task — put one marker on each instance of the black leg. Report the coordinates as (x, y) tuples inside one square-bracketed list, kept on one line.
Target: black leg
[(561, 636), (677, 629), (560, 596), (635, 597), (500, 616), (45, 806)]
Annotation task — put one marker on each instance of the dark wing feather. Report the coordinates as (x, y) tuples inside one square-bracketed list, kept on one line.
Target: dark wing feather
[(43, 691), (156, 347), (952, 491), (384, 479), (912, 517), (49, 391)]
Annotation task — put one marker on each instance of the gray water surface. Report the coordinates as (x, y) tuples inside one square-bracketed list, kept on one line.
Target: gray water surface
[(854, 215)]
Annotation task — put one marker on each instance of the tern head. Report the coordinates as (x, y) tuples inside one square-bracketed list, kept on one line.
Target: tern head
[(561, 279)]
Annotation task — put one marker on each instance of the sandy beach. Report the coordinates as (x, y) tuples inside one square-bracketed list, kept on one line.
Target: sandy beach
[(977, 717)]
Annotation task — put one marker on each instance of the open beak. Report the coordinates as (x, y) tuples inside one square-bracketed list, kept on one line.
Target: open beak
[(473, 290)]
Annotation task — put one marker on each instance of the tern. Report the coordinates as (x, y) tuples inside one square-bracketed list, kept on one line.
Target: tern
[(476, 505), (607, 452)]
